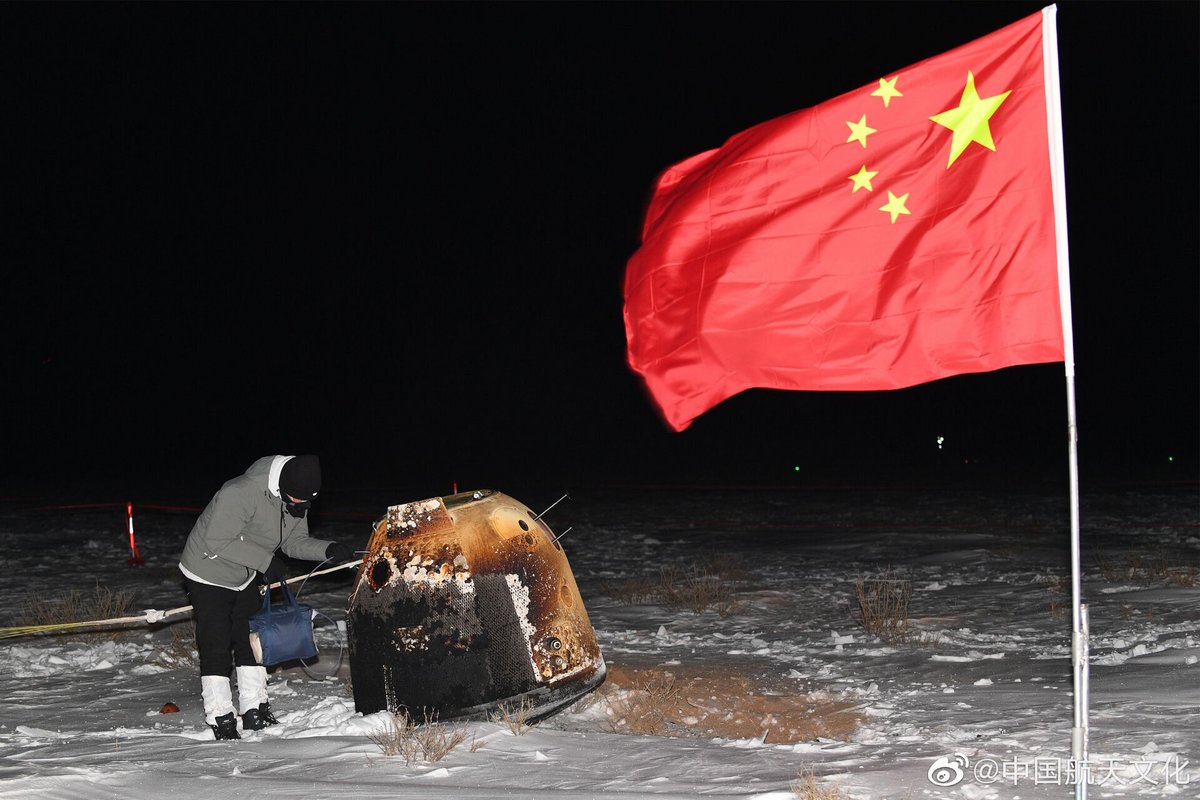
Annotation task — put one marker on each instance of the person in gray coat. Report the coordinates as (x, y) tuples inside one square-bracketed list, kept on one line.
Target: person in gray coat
[(234, 541)]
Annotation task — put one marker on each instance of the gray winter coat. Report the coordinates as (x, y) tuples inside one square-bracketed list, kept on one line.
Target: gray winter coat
[(242, 526)]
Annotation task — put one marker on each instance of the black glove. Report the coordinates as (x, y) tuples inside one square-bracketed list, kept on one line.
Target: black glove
[(339, 553), (276, 571)]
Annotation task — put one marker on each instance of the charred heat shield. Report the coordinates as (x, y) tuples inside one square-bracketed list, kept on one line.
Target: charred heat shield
[(464, 604)]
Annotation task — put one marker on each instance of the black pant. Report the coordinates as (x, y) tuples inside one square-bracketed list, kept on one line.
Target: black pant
[(223, 624)]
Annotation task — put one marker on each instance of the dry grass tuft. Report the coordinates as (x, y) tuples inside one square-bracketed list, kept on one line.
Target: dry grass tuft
[(883, 607), (1183, 577), (1008, 551), (728, 567), (182, 647), (1146, 571), (1057, 607), (696, 590), (1058, 589), (1108, 570), (77, 606), (648, 707), (923, 639), (516, 718), (638, 591), (699, 588), (430, 741), (805, 787), (718, 703)]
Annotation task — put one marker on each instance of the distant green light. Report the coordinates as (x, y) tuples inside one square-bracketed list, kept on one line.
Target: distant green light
[(795, 469), (1170, 458)]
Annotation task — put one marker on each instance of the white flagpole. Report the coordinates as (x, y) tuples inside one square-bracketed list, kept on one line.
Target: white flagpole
[(1079, 628)]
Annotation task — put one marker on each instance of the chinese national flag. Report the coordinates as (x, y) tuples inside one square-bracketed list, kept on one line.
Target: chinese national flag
[(897, 234)]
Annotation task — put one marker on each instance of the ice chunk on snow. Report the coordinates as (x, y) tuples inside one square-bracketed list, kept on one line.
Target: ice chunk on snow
[(148, 669), (42, 733), (984, 682), (973, 791), (973, 655)]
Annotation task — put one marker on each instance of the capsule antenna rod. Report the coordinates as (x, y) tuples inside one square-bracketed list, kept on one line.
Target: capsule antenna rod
[(564, 533), (552, 505)]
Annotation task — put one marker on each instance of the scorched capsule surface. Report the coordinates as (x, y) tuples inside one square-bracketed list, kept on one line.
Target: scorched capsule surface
[(464, 604)]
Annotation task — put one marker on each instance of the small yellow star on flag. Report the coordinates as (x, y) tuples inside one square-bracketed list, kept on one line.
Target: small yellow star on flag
[(887, 90), (859, 131), (895, 205), (862, 179), (969, 120)]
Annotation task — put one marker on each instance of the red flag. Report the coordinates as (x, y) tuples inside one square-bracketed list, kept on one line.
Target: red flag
[(894, 235)]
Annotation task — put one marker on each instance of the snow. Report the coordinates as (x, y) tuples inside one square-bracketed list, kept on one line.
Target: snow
[(981, 683)]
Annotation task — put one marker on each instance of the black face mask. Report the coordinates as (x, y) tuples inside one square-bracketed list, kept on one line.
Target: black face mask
[(297, 510)]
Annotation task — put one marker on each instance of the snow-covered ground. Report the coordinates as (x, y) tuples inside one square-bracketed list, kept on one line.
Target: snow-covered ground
[(982, 678)]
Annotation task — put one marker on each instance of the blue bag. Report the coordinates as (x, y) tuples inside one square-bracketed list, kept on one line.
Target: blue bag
[(285, 632)]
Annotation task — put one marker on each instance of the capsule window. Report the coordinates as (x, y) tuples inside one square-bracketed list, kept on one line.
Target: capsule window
[(381, 573)]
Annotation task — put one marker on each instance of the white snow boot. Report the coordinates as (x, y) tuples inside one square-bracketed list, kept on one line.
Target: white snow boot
[(218, 706), (252, 687), (252, 698)]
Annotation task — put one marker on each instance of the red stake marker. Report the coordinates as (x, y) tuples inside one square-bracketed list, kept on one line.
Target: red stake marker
[(135, 559)]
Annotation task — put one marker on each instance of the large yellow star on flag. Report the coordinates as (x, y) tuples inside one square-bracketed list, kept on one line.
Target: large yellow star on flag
[(887, 90), (969, 120), (895, 205), (859, 131), (862, 179)]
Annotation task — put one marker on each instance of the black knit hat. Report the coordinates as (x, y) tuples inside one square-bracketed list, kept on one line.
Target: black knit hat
[(301, 477)]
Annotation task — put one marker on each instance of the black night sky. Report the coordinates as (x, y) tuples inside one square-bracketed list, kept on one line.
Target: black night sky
[(394, 234)]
